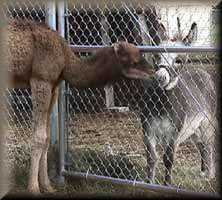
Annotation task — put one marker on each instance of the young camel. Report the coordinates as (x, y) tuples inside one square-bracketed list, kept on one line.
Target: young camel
[(39, 58)]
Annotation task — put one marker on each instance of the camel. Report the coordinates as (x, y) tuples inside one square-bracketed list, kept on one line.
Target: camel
[(40, 58)]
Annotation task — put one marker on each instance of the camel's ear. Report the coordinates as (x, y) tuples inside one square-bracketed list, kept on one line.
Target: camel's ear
[(192, 35), (120, 49)]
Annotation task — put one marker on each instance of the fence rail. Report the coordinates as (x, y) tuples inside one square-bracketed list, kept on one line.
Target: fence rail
[(141, 185), (153, 49)]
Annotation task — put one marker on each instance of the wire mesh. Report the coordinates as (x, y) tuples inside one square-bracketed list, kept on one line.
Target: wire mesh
[(107, 142), (102, 140)]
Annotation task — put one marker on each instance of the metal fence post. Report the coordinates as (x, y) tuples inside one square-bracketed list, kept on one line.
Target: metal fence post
[(61, 100), (108, 88), (51, 21)]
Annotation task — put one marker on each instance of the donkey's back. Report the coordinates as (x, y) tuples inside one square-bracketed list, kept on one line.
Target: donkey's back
[(194, 100)]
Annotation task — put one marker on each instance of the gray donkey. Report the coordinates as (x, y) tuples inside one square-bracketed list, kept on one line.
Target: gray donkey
[(181, 104)]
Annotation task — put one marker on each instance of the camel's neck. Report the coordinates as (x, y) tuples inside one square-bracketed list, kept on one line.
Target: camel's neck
[(96, 70)]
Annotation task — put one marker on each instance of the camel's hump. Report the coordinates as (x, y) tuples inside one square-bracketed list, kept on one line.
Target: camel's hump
[(21, 24)]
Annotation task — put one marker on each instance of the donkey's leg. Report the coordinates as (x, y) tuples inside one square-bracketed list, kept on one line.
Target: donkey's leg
[(151, 160), (212, 161), (151, 152), (41, 97), (209, 141), (43, 173), (202, 148), (213, 147), (168, 159), (205, 145)]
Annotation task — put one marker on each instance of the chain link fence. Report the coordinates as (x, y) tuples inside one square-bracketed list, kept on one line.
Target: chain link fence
[(105, 126)]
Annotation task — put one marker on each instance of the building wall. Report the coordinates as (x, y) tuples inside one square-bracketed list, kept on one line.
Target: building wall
[(188, 12)]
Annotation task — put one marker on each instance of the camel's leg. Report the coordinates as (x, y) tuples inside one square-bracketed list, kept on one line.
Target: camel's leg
[(41, 98), (43, 172)]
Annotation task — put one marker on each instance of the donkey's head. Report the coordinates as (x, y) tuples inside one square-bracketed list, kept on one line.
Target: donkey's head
[(178, 39), (167, 61)]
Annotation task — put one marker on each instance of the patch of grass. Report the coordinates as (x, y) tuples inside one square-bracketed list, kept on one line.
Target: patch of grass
[(189, 177), (101, 163)]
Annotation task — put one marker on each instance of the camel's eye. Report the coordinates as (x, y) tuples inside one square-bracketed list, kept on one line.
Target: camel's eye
[(135, 63)]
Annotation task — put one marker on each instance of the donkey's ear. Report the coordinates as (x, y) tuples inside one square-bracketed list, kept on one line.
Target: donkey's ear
[(162, 33), (192, 35), (179, 32)]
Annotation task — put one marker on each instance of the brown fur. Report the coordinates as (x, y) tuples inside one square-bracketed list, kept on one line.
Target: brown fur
[(39, 58)]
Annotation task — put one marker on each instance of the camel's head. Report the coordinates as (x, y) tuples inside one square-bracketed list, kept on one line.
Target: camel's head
[(133, 64)]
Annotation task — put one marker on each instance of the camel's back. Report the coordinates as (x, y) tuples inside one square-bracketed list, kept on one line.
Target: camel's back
[(28, 43), (20, 48)]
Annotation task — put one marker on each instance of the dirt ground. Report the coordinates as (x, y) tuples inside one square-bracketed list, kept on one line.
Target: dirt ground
[(116, 134)]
